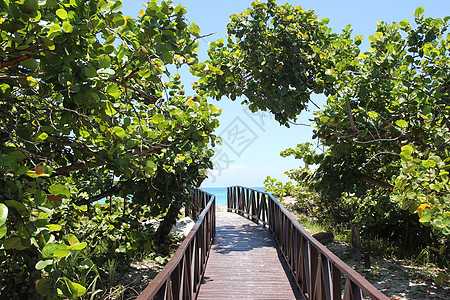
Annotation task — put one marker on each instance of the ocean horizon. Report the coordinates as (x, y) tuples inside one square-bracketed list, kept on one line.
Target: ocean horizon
[(221, 193)]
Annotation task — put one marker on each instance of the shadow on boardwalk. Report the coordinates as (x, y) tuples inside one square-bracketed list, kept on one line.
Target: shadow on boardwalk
[(245, 263)]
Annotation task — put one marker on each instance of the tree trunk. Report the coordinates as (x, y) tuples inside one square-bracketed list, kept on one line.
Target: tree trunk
[(356, 244), (169, 220)]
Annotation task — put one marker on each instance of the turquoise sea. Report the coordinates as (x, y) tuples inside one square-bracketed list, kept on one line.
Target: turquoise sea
[(221, 193)]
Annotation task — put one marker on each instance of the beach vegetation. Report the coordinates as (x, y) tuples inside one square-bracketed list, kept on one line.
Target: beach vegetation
[(91, 110), (382, 160)]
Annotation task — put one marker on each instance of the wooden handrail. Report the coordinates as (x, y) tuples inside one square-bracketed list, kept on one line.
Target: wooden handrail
[(181, 277), (316, 270)]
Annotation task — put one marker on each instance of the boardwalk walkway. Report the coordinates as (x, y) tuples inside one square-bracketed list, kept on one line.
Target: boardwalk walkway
[(244, 263)]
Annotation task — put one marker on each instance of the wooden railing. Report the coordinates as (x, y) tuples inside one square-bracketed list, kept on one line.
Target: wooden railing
[(181, 277), (317, 271)]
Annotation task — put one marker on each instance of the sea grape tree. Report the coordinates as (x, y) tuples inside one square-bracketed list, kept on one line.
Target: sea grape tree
[(89, 110), (385, 124)]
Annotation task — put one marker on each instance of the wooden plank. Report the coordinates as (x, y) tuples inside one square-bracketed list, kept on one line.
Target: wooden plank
[(244, 263)]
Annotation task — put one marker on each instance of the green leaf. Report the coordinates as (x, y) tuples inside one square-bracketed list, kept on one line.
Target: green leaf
[(61, 252), (54, 227), (67, 27), (78, 246), (113, 91), (72, 239), (419, 11), (90, 72), (5, 90), (429, 163), (158, 118), (14, 242), (3, 230), (42, 264), (372, 114), (30, 64), (61, 13), (426, 216), (29, 7), (401, 123), (41, 137), (19, 207), (119, 131), (404, 24), (49, 250), (71, 289), (407, 149), (44, 286), (109, 108), (3, 213), (194, 29), (58, 189)]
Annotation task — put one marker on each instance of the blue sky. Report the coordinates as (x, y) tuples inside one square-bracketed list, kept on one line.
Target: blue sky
[(252, 142)]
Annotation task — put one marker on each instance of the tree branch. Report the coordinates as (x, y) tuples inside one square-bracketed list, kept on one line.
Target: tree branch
[(112, 191), (376, 182)]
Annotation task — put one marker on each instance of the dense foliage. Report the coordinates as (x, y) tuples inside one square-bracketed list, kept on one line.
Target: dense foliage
[(385, 125), (89, 110)]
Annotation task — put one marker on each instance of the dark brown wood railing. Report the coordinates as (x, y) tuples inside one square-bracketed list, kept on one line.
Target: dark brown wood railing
[(317, 271), (181, 277)]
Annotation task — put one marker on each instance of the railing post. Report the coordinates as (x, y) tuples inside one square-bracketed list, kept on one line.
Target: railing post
[(181, 277), (317, 271)]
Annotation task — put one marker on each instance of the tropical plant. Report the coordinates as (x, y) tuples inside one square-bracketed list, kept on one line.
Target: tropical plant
[(385, 125), (89, 110)]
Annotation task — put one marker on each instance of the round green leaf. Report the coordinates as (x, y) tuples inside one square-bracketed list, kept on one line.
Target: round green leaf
[(429, 163), (419, 11), (109, 109), (67, 27), (44, 286), (113, 91), (58, 189), (41, 137), (49, 250), (119, 131), (3, 213), (14, 242), (61, 13), (78, 246), (426, 216), (158, 118), (29, 64), (19, 207), (404, 24), (90, 72), (60, 253)]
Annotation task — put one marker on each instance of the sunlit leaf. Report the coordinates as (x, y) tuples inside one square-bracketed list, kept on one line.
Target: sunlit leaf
[(54, 227), (119, 131), (401, 123), (78, 246), (3, 213), (72, 239), (429, 163), (59, 190), (61, 13), (419, 11), (42, 264)]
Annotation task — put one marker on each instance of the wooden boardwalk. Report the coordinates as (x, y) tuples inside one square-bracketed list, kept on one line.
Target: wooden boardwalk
[(245, 263)]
